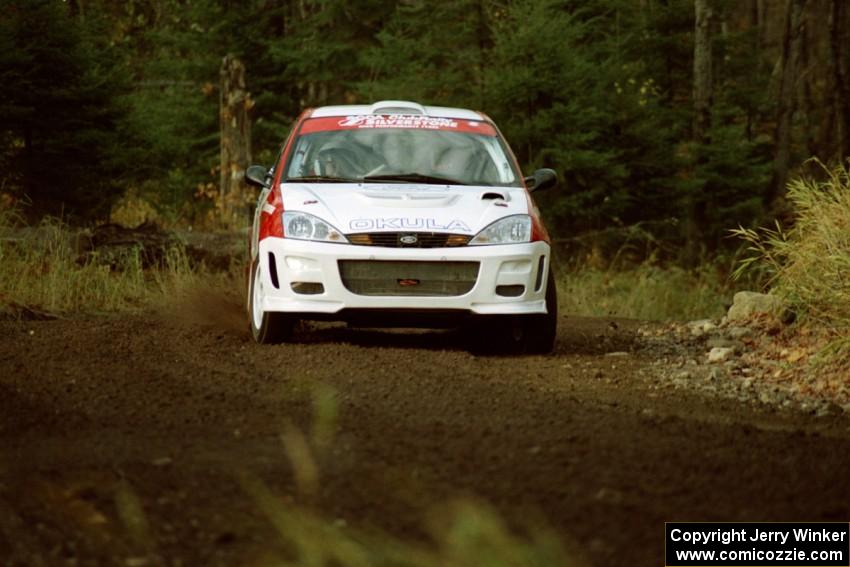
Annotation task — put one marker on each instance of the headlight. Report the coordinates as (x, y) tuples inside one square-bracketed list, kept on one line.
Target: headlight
[(509, 230), (307, 227)]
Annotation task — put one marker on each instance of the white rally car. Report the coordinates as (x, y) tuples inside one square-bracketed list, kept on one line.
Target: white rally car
[(398, 214)]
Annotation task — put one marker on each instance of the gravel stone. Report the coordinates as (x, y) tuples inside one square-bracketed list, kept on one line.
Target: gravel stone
[(720, 354), (737, 333)]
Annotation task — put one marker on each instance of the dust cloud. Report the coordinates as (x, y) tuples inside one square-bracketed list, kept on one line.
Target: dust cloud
[(207, 306)]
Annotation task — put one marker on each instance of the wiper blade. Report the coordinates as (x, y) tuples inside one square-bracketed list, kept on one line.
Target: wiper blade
[(420, 177), (320, 179)]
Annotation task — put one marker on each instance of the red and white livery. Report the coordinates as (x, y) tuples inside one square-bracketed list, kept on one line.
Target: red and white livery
[(401, 214)]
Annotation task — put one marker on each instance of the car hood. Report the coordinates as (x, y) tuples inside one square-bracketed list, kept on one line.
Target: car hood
[(406, 207)]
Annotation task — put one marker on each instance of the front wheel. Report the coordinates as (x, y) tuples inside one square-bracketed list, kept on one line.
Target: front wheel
[(541, 330), (267, 327), (521, 334)]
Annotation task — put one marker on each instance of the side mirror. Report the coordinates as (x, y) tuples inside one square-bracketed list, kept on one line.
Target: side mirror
[(542, 179), (256, 175)]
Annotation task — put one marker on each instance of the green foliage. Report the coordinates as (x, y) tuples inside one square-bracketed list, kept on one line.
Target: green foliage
[(429, 52), (173, 108), (600, 90), (59, 110), (729, 174), (589, 109)]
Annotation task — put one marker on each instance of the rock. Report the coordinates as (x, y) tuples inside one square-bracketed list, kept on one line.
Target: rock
[(617, 353), (719, 342), (720, 354), (701, 327), (828, 408), (736, 333), (749, 303)]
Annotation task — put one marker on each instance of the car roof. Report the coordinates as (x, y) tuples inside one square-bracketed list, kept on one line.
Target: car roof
[(396, 107)]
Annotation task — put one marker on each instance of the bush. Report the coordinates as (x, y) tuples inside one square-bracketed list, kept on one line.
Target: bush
[(809, 265)]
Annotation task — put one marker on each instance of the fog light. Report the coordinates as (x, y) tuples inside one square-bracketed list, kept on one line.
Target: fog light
[(307, 288), (510, 290)]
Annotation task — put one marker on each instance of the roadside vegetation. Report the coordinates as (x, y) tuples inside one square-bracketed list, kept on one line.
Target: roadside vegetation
[(808, 265), (45, 271), (646, 291)]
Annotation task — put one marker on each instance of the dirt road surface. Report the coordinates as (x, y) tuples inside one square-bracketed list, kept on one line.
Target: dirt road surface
[(123, 438)]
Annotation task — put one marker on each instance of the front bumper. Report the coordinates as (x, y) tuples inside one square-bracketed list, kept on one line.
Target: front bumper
[(286, 261)]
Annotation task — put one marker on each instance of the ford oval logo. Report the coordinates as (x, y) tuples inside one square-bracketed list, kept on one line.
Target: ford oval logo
[(408, 239)]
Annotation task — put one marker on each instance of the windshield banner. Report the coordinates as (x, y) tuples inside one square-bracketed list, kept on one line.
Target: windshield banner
[(404, 121)]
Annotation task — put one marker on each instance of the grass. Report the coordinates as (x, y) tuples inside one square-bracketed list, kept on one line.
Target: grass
[(645, 292), (808, 265), (42, 269), (463, 534)]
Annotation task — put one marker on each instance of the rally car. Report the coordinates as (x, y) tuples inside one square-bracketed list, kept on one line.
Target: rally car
[(398, 214)]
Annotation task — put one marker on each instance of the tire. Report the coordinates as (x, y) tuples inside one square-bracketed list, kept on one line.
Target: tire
[(267, 327), (542, 330), (521, 334)]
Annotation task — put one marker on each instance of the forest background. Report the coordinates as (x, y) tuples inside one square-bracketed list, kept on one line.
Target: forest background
[(670, 122)]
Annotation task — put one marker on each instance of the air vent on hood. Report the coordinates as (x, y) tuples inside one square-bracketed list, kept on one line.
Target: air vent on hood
[(397, 107), (490, 196)]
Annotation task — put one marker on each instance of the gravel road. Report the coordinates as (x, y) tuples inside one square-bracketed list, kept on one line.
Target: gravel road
[(123, 438)]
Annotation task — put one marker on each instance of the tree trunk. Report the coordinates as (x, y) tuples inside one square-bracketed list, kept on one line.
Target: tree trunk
[(703, 84), (805, 76), (788, 72), (703, 98), (839, 61), (235, 103)]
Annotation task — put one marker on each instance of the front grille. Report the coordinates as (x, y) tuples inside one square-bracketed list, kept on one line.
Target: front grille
[(402, 278), (409, 239)]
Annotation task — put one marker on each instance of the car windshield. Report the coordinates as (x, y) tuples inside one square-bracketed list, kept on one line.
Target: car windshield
[(400, 149)]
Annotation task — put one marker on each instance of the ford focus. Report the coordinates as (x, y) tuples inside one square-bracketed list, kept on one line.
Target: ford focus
[(398, 214)]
